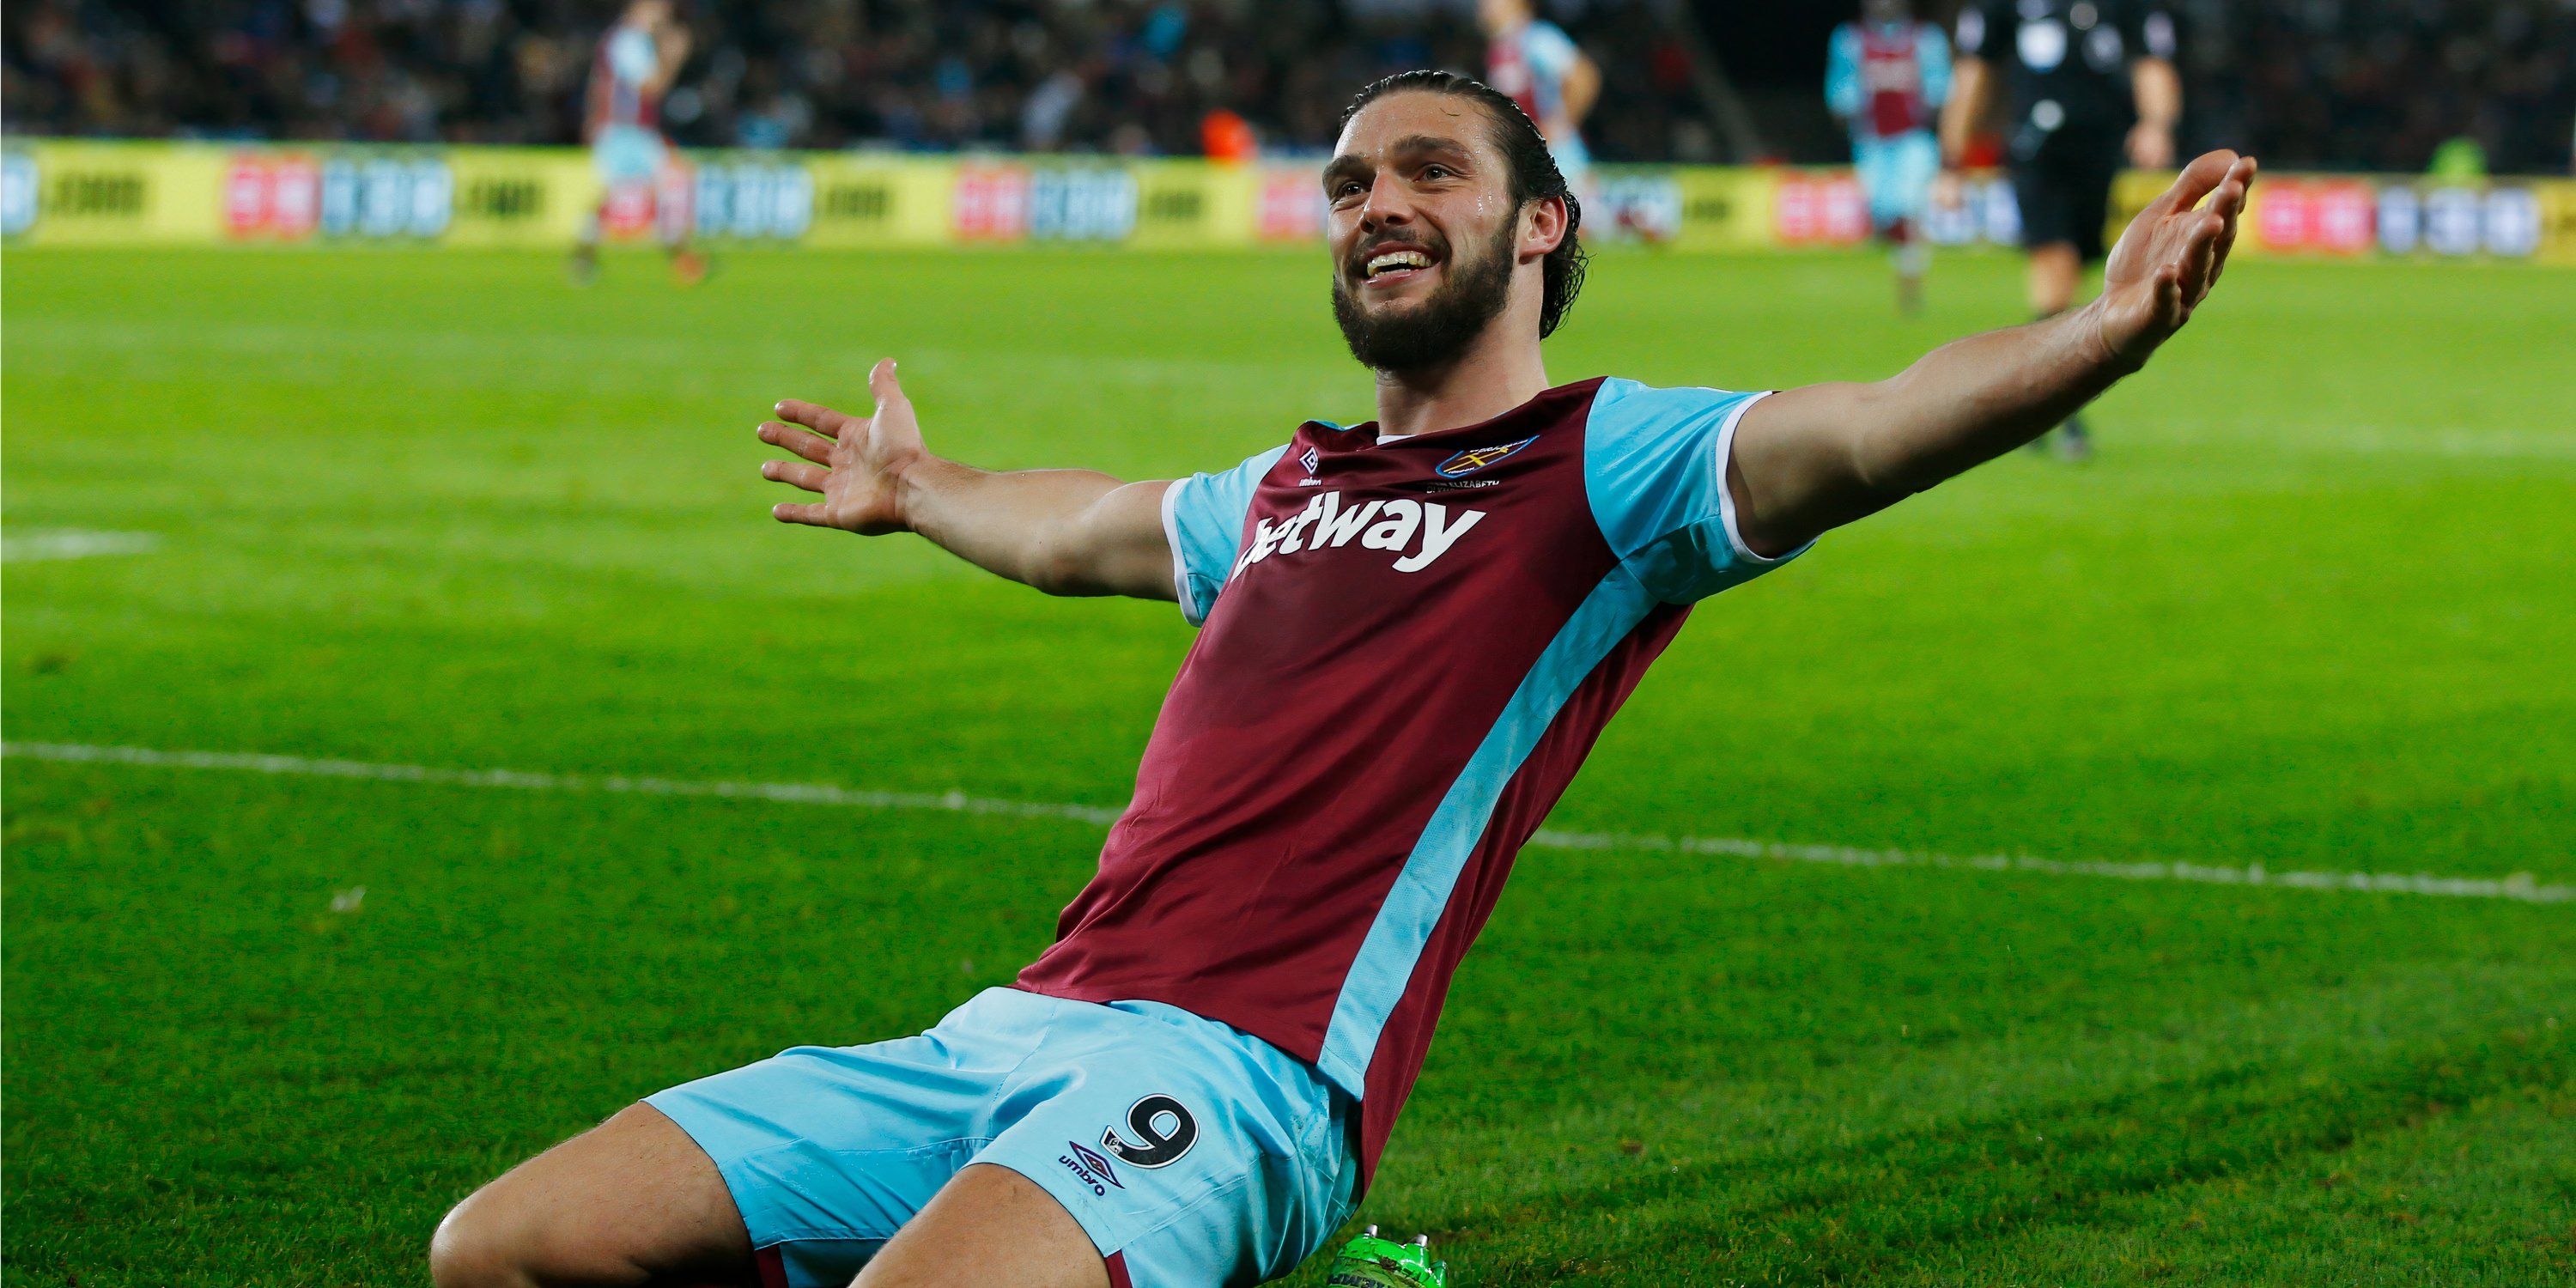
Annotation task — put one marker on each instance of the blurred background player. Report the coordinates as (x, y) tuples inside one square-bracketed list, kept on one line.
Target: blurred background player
[(638, 60), (1535, 64), (2089, 84), (1887, 76)]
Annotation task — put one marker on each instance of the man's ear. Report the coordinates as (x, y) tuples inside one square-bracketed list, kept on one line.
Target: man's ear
[(1542, 227)]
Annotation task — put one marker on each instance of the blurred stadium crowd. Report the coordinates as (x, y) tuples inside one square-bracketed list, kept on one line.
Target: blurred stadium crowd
[(2327, 84)]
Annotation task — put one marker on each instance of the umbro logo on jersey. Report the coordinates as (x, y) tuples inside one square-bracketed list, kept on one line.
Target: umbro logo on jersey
[(1427, 528), (1477, 458), (1310, 458)]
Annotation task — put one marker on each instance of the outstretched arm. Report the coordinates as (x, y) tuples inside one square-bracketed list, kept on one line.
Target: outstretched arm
[(1582, 89), (671, 52), (1066, 532), (1843, 95), (1964, 109), (1819, 457), (2158, 89)]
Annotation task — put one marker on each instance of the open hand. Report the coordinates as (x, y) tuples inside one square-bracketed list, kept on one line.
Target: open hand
[(856, 464), (2171, 255)]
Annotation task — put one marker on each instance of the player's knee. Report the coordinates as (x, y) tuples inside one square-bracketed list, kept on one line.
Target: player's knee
[(483, 1243), (464, 1253)]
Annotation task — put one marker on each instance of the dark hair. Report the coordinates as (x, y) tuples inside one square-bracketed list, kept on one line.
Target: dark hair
[(1534, 176)]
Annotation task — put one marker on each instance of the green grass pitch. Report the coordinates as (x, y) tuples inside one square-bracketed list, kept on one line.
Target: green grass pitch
[(2311, 608)]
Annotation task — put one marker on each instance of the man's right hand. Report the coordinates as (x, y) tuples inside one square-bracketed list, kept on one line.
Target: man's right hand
[(1066, 532), (856, 464)]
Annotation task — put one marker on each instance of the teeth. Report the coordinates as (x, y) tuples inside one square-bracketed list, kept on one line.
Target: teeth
[(1397, 259)]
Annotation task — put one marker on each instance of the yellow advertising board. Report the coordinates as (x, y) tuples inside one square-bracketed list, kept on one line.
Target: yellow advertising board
[(67, 192), (113, 194), (2130, 194), (1725, 209), (862, 200), (1191, 204), (2557, 220), (530, 197)]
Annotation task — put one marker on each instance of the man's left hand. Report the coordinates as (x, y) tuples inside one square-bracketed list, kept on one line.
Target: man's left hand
[(2171, 256)]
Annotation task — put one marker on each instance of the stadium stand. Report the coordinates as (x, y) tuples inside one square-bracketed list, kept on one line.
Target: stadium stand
[(2312, 84)]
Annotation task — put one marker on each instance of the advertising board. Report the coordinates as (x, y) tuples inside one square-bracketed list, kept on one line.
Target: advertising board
[(58, 192)]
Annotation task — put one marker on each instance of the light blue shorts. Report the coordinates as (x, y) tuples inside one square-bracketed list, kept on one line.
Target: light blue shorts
[(1897, 175), (1573, 160), (1191, 1152), (627, 154)]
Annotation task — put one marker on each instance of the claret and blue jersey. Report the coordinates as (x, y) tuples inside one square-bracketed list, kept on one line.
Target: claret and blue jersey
[(1888, 81), (1529, 65), (1409, 645), (1408, 648)]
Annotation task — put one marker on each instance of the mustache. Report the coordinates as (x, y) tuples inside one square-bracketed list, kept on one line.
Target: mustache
[(1355, 264)]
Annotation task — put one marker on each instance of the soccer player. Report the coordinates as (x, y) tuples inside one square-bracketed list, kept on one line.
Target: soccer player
[(1886, 76), (638, 59), (1412, 631), (2089, 81), (1541, 68)]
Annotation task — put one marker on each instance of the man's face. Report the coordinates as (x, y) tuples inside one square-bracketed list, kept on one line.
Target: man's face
[(1886, 10), (1425, 234), (1499, 16)]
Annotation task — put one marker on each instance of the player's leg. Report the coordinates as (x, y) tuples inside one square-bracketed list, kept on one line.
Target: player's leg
[(2042, 190), (585, 249), (2088, 201), (1187, 1151), (1900, 197), (991, 1227), (789, 1172), (2055, 270), (1911, 256), (613, 159), (1873, 166), (674, 209), (631, 1201)]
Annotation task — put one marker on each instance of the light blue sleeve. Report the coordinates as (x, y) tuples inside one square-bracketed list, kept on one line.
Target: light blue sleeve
[(1932, 52), (1550, 52), (1842, 72), (1654, 463), (1203, 519)]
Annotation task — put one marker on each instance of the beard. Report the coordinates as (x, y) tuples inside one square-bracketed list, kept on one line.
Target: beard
[(1439, 329)]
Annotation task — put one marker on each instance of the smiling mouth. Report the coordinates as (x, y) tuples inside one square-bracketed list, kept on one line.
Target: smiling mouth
[(1395, 265)]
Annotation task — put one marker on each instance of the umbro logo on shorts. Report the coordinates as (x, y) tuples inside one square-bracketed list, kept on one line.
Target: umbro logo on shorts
[(1090, 1168), (1165, 1127)]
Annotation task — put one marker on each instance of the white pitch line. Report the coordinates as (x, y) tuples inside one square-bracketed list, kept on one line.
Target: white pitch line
[(798, 793), (2519, 887), (73, 543)]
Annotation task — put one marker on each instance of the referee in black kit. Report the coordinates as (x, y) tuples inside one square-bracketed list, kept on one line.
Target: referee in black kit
[(2092, 82)]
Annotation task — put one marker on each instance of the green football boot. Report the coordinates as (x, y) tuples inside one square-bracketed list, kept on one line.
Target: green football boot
[(1372, 1262)]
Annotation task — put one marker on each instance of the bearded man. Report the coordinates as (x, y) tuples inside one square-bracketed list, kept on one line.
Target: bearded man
[(1413, 630)]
